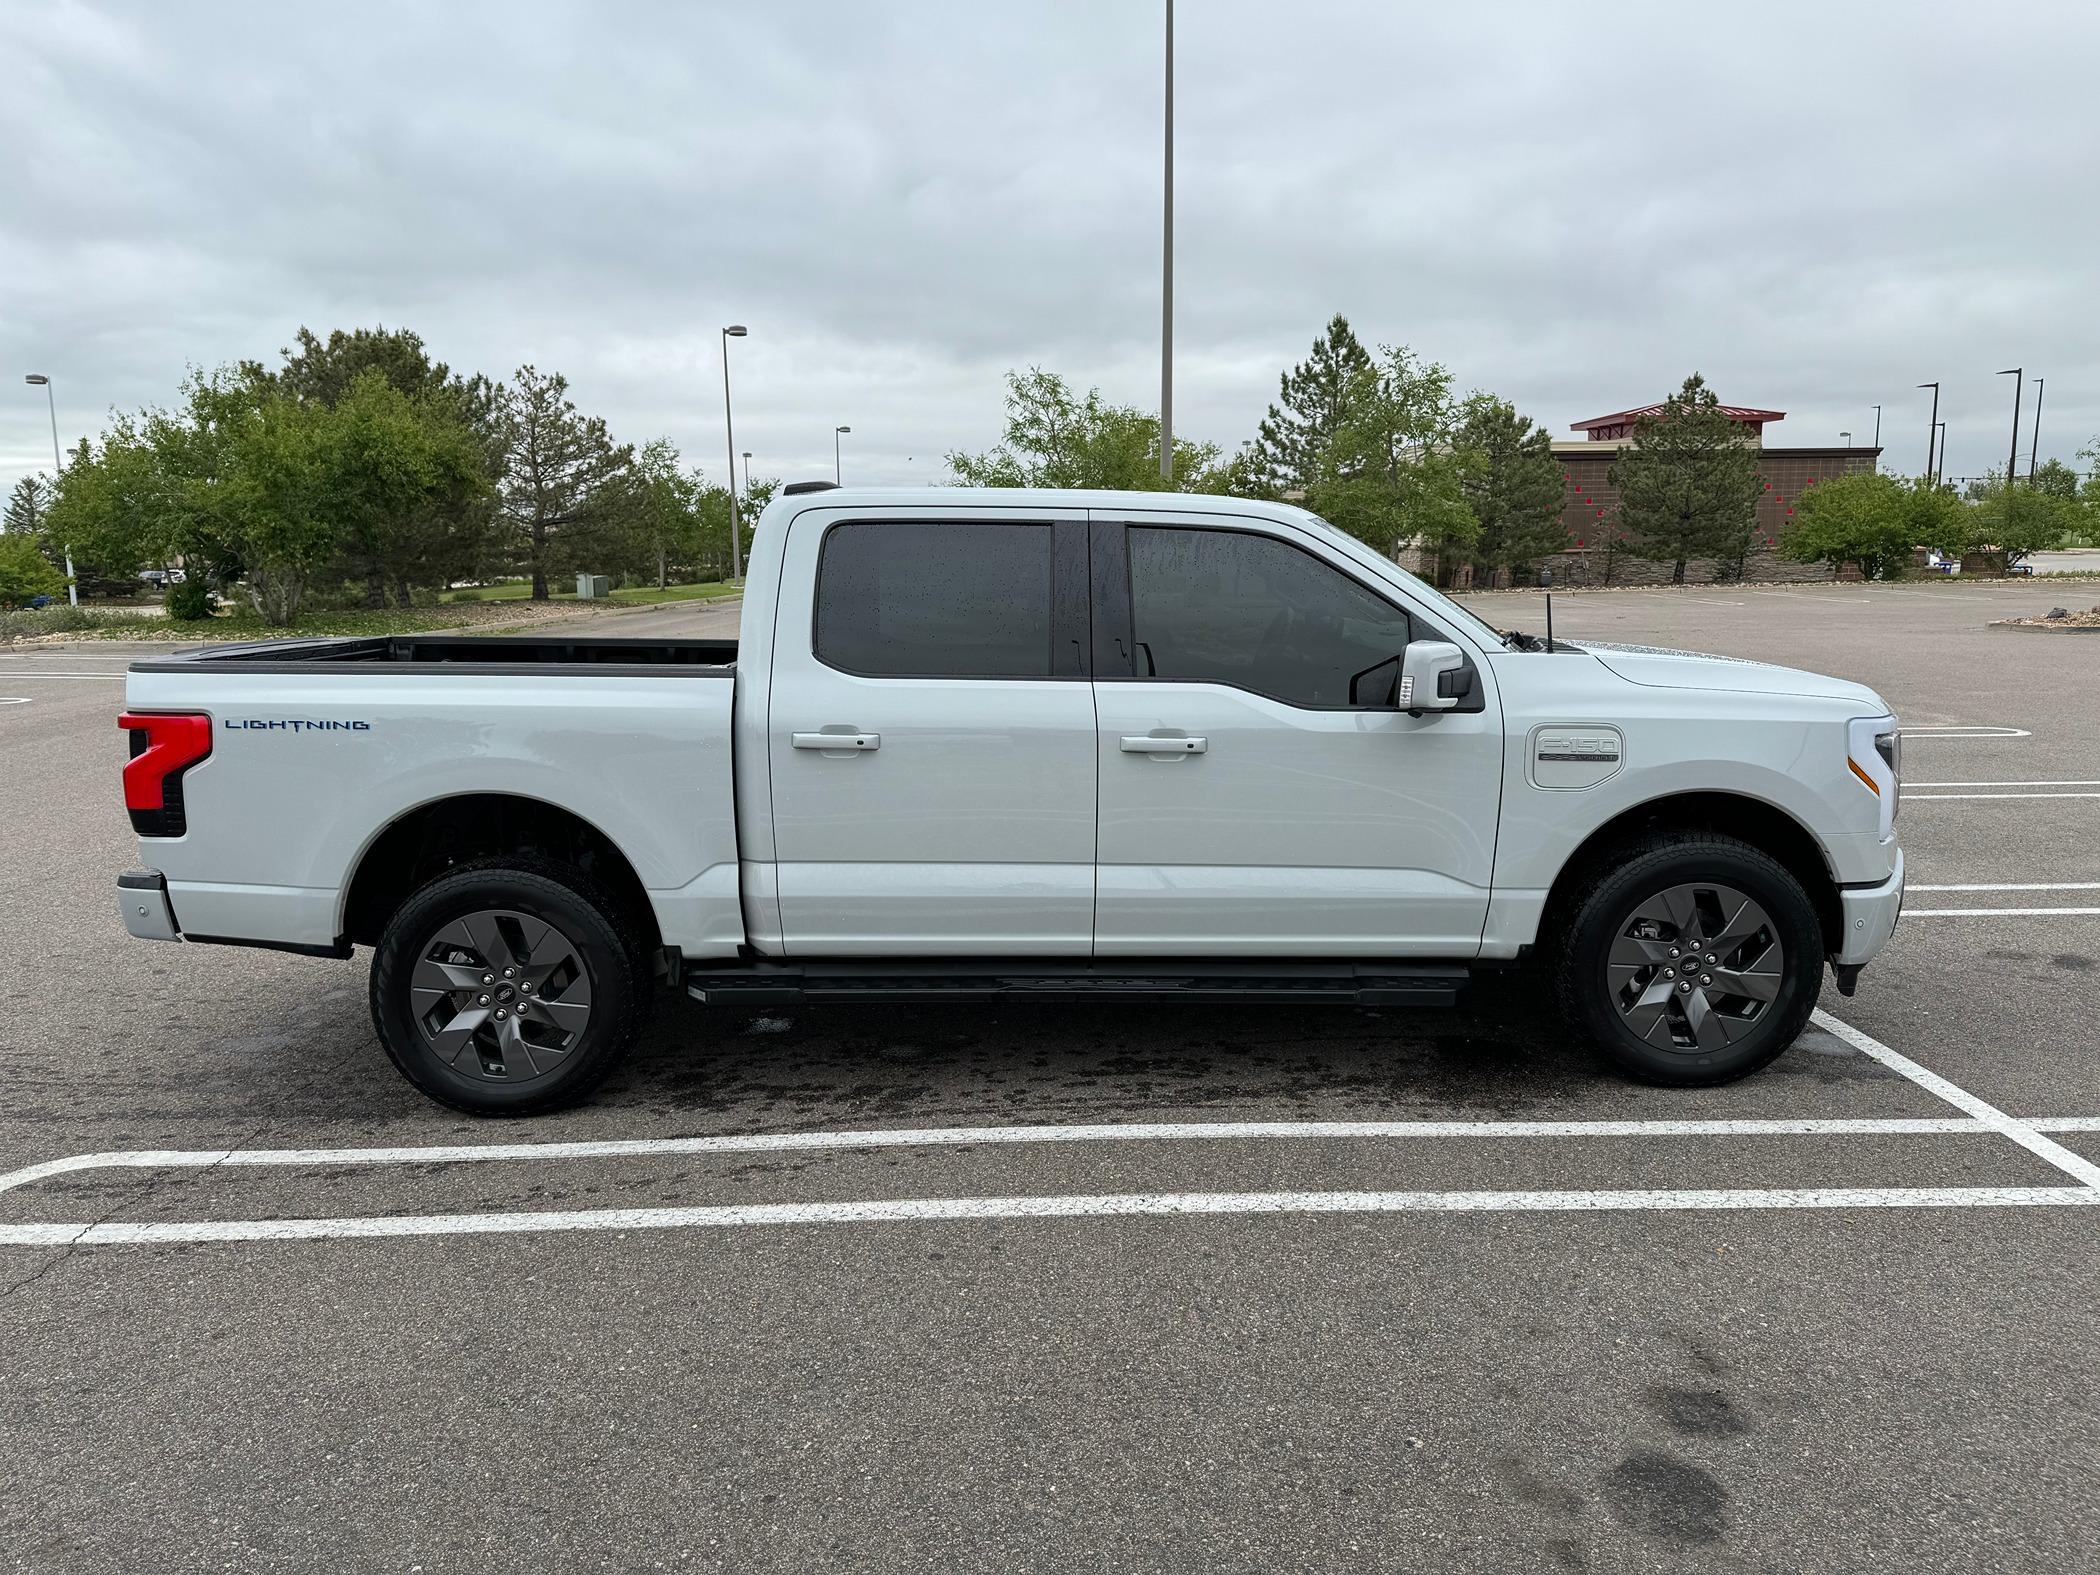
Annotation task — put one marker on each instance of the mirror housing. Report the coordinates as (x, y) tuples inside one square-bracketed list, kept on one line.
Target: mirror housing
[(1433, 677)]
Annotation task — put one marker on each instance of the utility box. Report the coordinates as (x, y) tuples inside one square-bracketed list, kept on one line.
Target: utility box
[(593, 587)]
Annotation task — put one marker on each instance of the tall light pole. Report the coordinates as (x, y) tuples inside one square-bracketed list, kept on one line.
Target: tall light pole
[(1943, 443), (1877, 426), (747, 470), (2040, 383), (838, 470), (1166, 277), (1847, 436), (1931, 427), (58, 465), (2012, 455), (733, 331)]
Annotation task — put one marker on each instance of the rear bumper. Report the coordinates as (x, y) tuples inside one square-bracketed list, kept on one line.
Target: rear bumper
[(142, 900), (1870, 915)]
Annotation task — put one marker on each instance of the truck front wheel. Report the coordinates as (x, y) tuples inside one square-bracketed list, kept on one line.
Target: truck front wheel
[(1690, 959), (508, 988)]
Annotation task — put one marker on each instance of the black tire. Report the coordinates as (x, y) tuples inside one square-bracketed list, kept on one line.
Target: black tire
[(549, 1052), (1601, 998)]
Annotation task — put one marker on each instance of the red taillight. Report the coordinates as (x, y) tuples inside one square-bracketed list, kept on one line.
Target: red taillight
[(163, 746)]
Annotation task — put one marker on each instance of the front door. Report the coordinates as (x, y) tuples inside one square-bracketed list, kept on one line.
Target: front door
[(1260, 796), (931, 735)]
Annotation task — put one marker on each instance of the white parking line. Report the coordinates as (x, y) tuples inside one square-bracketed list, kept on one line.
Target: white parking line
[(1926, 731), (941, 1137), (1961, 1099), (14, 699), (1108, 1205), (14, 673), (1988, 913), (1978, 1118), (1928, 798), (2067, 782), (2056, 885)]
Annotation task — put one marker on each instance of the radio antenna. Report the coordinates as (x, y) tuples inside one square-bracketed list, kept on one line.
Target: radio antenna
[(1549, 623)]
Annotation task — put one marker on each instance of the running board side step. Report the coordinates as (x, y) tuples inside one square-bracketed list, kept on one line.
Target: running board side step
[(766, 983)]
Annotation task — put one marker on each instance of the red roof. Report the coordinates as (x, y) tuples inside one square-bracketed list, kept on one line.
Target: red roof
[(1746, 414)]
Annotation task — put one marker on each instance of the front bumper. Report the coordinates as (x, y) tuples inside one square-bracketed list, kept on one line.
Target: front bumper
[(1869, 916), (142, 899)]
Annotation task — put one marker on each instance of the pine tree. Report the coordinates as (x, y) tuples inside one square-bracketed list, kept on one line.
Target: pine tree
[(26, 506), (1513, 485), (1688, 482), (1315, 403)]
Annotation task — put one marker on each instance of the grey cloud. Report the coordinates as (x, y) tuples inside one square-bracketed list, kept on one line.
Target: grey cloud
[(1818, 206)]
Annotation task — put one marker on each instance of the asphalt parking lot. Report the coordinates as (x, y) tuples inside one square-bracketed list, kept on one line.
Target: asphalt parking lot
[(1717, 1330)]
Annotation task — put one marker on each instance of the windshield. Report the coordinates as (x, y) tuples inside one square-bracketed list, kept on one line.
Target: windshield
[(1480, 629)]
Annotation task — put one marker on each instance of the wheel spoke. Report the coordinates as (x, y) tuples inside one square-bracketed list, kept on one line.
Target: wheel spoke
[(488, 940), (517, 1052), (1759, 982), (1744, 919), (1637, 951), (1711, 1030), (455, 1037), (568, 1015)]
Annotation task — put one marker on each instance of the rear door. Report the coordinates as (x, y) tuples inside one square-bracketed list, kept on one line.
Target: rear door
[(1260, 795), (931, 735)]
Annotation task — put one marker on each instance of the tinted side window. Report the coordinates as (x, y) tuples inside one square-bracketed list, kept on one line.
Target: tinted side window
[(910, 600), (1230, 607)]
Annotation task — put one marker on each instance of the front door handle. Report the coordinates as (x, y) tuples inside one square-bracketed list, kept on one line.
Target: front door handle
[(840, 741), (1164, 746)]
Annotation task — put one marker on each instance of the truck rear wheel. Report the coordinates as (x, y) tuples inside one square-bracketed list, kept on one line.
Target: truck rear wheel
[(508, 988), (1690, 959)]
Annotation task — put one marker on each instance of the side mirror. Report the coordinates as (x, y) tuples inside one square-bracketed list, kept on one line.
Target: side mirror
[(1433, 677)]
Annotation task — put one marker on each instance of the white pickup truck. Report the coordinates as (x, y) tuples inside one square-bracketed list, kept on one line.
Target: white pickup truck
[(1058, 744)]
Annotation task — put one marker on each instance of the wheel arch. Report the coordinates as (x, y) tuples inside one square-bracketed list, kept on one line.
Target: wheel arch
[(1753, 820), (421, 844)]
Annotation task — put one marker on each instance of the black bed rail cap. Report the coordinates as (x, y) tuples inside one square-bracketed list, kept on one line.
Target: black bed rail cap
[(796, 489)]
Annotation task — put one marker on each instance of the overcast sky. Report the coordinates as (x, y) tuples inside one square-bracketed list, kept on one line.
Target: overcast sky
[(1816, 205)]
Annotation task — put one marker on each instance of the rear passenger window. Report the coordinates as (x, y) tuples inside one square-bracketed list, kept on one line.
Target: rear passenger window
[(1231, 607), (905, 599)]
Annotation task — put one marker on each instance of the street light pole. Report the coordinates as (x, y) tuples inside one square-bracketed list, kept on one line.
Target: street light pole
[(1847, 436), (733, 331), (1166, 286), (2012, 455), (1931, 427), (1877, 426), (2040, 383), (58, 465), (838, 472), (1943, 442)]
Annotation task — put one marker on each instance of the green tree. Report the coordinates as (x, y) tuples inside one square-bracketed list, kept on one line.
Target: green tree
[(2055, 479), (1512, 483), (442, 532), (25, 573), (656, 511), (2019, 520), (1857, 518), (26, 506), (562, 473), (1688, 483), (1056, 438), (1392, 473), (1314, 400)]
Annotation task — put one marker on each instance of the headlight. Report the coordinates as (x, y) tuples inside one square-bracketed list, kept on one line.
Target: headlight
[(1875, 754)]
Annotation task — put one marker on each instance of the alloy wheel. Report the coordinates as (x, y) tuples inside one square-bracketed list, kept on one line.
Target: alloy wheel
[(501, 996), (1694, 967)]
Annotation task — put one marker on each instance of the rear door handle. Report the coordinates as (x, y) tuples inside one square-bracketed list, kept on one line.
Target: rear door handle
[(1164, 746), (837, 740)]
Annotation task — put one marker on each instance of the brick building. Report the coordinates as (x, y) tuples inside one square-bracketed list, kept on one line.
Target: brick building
[(1596, 552)]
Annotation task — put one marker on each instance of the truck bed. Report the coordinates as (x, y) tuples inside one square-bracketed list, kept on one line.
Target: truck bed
[(381, 656)]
